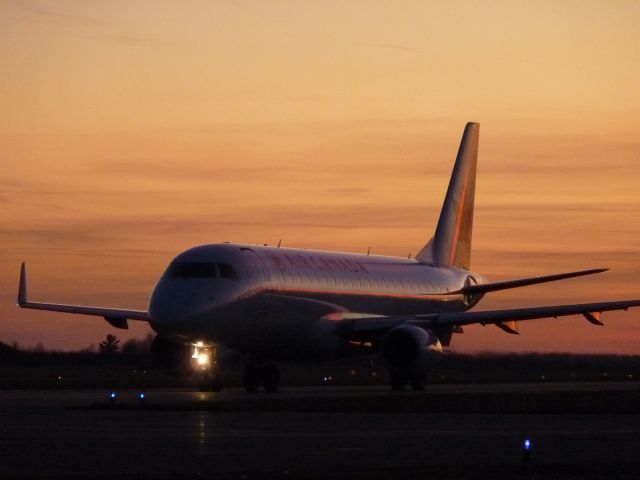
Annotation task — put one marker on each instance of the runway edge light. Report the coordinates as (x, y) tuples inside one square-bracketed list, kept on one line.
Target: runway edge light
[(526, 455)]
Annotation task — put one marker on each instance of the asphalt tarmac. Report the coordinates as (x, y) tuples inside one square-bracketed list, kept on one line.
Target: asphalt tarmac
[(327, 432)]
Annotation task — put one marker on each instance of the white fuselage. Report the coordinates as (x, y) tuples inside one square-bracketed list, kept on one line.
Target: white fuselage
[(283, 303)]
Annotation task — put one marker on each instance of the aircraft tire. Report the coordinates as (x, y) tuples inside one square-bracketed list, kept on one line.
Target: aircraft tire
[(419, 382), (204, 383), (216, 384), (251, 377), (271, 378), (397, 382)]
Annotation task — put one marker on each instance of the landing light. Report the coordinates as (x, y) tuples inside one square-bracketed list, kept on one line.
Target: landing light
[(203, 359)]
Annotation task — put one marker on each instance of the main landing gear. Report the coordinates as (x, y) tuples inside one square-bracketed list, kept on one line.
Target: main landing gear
[(398, 382), (256, 374)]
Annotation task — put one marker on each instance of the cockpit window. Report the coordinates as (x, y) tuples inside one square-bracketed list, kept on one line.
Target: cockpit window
[(192, 270), (202, 270), (227, 271)]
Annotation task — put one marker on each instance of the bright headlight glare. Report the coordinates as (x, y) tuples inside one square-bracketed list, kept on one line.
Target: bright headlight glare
[(203, 359)]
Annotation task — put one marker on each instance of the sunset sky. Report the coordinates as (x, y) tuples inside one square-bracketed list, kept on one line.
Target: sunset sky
[(132, 130)]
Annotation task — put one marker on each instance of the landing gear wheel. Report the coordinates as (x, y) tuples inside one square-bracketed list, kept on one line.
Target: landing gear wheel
[(271, 378), (397, 382), (204, 383), (216, 384), (251, 378), (419, 382)]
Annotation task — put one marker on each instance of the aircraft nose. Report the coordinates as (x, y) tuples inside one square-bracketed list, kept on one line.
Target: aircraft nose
[(169, 304)]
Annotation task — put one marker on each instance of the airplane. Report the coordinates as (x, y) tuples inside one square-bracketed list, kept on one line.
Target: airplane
[(284, 304)]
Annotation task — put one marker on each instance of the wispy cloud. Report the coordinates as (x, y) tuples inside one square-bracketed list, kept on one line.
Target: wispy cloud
[(33, 11), (179, 169), (36, 12), (390, 46), (128, 40), (349, 191), (55, 234)]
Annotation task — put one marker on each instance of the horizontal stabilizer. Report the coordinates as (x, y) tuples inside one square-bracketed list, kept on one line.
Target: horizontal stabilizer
[(523, 282)]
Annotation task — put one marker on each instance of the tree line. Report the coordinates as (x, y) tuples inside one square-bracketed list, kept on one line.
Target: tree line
[(452, 368)]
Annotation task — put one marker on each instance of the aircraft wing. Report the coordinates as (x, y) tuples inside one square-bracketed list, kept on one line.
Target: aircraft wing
[(115, 316), (368, 327)]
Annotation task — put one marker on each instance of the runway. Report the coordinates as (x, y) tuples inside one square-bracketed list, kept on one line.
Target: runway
[(180, 434)]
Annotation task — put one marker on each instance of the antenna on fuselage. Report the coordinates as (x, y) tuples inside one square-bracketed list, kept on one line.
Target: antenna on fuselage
[(279, 243), (368, 251)]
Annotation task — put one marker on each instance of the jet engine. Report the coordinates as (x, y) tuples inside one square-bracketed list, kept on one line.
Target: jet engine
[(409, 350), (171, 357)]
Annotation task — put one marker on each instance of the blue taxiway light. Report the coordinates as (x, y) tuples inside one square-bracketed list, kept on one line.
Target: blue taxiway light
[(113, 395), (527, 444), (141, 396)]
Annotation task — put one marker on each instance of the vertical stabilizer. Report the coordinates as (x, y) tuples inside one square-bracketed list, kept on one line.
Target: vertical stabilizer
[(451, 244)]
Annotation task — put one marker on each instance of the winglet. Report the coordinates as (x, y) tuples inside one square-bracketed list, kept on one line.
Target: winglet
[(22, 289)]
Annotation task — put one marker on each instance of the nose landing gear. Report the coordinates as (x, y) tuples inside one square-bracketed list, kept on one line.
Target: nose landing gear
[(398, 382), (204, 361), (209, 383)]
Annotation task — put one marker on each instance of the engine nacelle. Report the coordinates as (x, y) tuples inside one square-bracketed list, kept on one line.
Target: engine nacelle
[(409, 350), (171, 357)]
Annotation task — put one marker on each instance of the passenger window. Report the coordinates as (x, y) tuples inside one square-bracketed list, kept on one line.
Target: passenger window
[(227, 271), (331, 280)]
